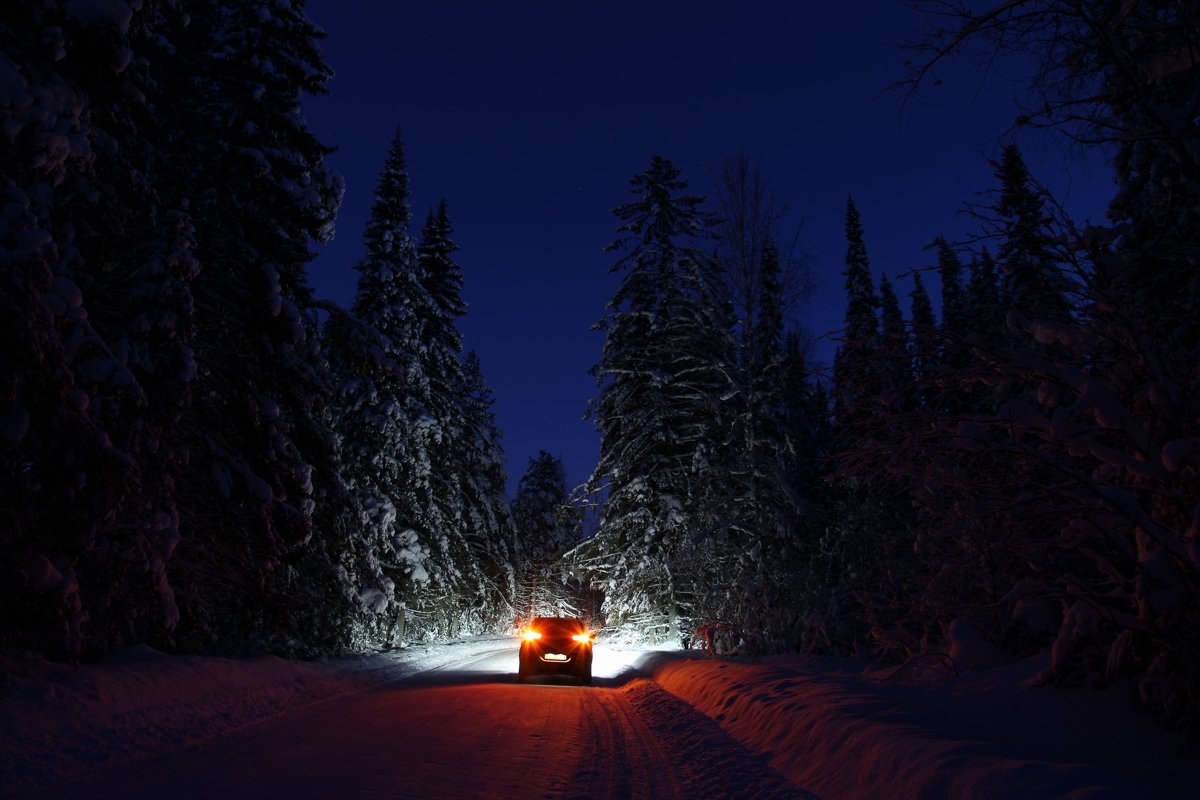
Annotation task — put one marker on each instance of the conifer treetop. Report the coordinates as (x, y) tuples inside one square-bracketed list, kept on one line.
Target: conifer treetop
[(387, 228), (662, 212), (860, 291)]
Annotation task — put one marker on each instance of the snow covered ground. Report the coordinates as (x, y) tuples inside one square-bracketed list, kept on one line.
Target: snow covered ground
[(816, 726), (61, 723), (829, 728)]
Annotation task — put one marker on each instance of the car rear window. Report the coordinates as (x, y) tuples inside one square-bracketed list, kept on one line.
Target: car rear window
[(553, 625)]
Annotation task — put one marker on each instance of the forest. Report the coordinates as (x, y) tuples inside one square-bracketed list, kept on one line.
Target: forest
[(200, 454)]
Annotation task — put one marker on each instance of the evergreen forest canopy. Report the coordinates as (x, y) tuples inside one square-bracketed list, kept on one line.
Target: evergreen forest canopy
[(198, 453)]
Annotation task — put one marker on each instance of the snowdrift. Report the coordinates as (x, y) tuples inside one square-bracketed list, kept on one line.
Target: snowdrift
[(835, 732)]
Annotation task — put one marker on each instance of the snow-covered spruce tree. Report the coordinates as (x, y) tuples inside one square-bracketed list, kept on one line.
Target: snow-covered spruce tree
[(956, 554), (984, 303), (420, 450), (658, 553), (897, 386), (856, 405), (955, 321), (1115, 416), (471, 535), (760, 497), (486, 516), (373, 420), (547, 525), (442, 279), (97, 312), (866, 548), (776, 415), (984, 554), (987, 336), (1027, 255), (954, 349), (250, 574), (925, 344), (806, 422)]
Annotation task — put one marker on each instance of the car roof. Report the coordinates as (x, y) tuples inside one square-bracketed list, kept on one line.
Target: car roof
[(559, 621)]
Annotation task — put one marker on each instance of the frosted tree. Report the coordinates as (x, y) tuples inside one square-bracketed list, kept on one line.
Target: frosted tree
[(957, 325), (442, 279), (761, 496), (989, 333), (764, 283), (97, 361), (177, 295), (489, 528), (854, 370), (893, 363), (1027, 253), (663, 374), (259, 190), (421, 449), (547, 525), (373, 421), (955, 321), (1110, 578), (865, 556), (925, 345), (766, 445), (465, 478)]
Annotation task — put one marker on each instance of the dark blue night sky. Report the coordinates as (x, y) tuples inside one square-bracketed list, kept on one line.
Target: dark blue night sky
[(529, 118)]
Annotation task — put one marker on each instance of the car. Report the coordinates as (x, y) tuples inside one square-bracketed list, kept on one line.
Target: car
[(556, 646)]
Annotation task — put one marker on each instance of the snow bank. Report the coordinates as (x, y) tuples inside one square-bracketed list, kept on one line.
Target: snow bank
[(837, 735), (60, 723)]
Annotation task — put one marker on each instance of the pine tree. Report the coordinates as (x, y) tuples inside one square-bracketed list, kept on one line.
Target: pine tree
[(258, 191), (469, 514), (1032, 283), (383, 557), (437, 557), (983, 302), (767, 446), (442, 279), (926, 353), (1098, 529), (757, 495), (100, 310), (547, 525), (955, 320), (488, 524), (77, 443), (959, 322), (854, 368), (663, 374), (865, 561), (806, 422), (893, 359), (191, 372)]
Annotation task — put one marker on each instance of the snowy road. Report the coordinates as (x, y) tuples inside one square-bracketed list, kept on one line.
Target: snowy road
[(467, 730), (448, 720)]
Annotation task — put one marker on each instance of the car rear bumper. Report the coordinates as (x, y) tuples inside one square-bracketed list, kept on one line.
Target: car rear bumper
[(543, 660)]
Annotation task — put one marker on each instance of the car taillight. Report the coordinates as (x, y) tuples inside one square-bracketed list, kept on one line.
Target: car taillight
[(530, 635), (582, 637)]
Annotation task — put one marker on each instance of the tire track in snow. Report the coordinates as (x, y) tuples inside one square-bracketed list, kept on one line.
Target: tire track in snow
[(624, 758), (708, 761)]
